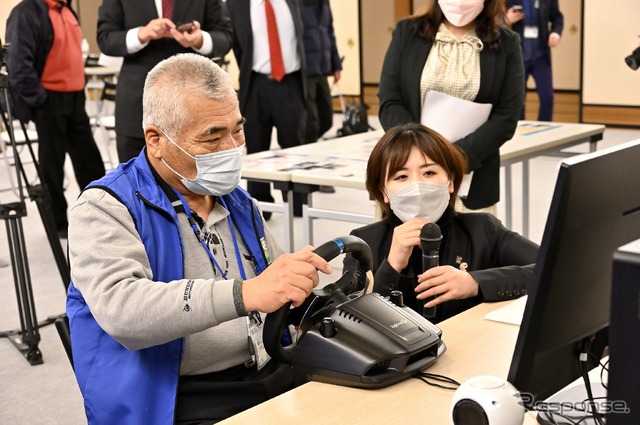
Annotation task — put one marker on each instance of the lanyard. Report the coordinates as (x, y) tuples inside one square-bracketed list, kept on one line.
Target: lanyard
[(198, 233), (529, 7)]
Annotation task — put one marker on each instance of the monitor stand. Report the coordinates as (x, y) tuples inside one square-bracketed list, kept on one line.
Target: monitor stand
[(571, 402)]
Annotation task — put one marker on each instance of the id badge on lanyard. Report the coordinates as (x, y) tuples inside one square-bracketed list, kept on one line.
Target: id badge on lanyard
[(530, 31), (255, 328), (255, 324)]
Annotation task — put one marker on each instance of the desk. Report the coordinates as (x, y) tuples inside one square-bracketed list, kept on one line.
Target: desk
[(342, 163), (475, 346), (95, 75), (95, 72), (534, 139), (274, 167)]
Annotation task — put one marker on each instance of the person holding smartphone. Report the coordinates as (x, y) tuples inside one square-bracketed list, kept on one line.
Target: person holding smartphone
[(124, 29), (531, 19)]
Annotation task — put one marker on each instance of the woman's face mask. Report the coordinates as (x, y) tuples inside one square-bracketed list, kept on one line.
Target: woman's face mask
[(419, 189), (420, 200), (461, 12), (218, 173)]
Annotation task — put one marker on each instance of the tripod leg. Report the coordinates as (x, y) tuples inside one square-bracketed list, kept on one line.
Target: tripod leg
[(40, 196), (37, 193), (26, 341)]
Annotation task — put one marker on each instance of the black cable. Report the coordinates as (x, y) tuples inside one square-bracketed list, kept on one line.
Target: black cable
[(595, 414), (591, 409), (582, 364), (426, 377), (604, 367), (550, 417)]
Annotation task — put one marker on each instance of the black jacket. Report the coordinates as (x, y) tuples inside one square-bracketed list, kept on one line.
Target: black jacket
[(501, 83), (319, 39), (30, 34), (501, 261), (116, 17)]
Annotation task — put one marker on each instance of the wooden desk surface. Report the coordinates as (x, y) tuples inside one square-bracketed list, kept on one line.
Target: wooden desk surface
[(475, 346)]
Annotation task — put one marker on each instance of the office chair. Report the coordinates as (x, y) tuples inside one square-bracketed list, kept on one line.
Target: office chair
[(222, 63), (91, 60), (62, 326), (93, 85)]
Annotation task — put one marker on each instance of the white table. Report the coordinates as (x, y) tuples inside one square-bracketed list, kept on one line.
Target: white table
[(273, 167), (99, 71), (342, 163), (95, 77), (534, 139), (95, 83)]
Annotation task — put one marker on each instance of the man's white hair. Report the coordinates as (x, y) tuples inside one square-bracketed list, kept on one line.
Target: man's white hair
[(171, 82)]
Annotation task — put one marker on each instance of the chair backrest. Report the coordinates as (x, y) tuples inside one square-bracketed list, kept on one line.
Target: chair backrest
[(62, 326), (109, 91), (222, 63), (21, 138), (91, 60)]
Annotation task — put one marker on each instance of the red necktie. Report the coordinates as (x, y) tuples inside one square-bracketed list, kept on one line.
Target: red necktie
[(277, 65), (167, 8)]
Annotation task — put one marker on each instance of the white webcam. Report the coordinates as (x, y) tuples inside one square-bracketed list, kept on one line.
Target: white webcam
[(487, 400)]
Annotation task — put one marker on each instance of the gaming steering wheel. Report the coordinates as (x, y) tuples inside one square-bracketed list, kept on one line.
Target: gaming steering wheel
[(322, 300)]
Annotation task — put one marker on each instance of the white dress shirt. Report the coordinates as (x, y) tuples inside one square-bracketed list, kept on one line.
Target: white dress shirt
[(286, 32)]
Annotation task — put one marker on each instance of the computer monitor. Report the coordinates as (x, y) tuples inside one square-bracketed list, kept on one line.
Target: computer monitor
[(624, 337), (595, 209)]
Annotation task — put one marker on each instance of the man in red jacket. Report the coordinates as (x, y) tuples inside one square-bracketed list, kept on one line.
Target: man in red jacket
[(46, 71)]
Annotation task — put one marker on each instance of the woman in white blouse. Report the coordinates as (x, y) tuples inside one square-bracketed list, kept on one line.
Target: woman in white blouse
[(462, 48)]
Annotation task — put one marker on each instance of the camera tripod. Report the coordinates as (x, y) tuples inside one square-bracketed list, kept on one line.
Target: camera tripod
[(26, 339)]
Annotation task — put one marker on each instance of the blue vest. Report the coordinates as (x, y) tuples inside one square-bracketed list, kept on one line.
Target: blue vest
[(122, 386)]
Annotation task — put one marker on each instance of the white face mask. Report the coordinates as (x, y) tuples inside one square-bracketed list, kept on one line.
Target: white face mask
[(420, 200), (461, 12), (218, 173)]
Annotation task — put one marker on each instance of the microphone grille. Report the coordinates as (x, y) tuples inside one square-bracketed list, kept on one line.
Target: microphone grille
[(430, 231)]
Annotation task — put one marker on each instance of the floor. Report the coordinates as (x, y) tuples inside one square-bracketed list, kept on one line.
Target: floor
[(48, 393)]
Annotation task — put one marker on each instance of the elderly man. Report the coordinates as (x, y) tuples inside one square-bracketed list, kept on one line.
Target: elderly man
[(168, 255)]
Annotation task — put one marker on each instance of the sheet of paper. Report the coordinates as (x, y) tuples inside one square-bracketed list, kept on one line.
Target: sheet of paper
[(454, 118), (510, 313)]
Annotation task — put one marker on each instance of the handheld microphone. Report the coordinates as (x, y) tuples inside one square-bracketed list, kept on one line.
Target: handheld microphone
[(430, 238)]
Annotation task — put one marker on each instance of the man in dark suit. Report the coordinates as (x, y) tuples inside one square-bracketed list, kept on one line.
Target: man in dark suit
[(145, 35), (539, 24), (266, 100), (323, 60)]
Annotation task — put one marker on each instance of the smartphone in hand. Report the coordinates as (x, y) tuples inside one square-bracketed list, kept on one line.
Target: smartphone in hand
[(518, 8), (185, 26)]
